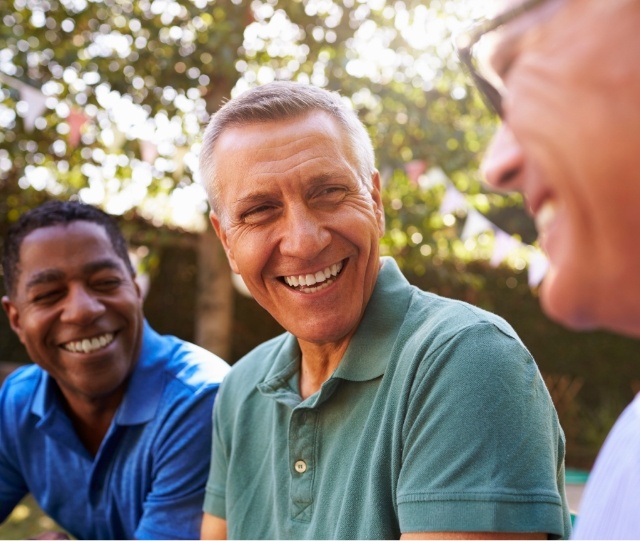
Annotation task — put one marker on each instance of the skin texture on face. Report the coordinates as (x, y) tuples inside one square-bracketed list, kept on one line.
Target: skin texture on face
[(78, 312), (569, 142), (294, 206)]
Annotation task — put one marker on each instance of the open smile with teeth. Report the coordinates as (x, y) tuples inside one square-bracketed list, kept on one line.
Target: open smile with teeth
[(310, 283), (546, 215), (89, 345)]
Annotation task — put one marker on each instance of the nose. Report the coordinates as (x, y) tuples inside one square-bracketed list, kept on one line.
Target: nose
[(81, 306), (304, 234), (503, 161)]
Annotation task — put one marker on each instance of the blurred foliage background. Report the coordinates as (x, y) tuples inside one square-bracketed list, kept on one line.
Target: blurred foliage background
[(105, 101), (27, 521)]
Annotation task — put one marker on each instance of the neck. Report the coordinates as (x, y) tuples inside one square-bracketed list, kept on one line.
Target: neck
[(92, 431), (319, 361), (91, 418)]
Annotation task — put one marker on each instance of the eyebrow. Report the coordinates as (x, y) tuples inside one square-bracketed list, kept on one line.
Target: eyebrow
[(253, 198), (48, 276), (317, 180)]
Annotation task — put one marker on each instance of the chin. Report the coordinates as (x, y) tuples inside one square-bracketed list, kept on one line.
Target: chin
[(587, 298), (575, 309), (323, 335), (566, 304)]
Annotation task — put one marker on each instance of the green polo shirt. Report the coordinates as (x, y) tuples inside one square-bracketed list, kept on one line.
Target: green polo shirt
[(436, 419)]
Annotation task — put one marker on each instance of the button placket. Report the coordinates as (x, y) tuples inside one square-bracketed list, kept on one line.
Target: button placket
[(302, 428)]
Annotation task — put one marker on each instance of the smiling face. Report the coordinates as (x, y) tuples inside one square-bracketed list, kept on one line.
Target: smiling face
[(77, 310), (569, 142), (298, 224)]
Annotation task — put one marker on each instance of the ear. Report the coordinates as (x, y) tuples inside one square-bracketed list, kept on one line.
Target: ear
[(222, 235), (377, 200), (140, 287), (14, 316)]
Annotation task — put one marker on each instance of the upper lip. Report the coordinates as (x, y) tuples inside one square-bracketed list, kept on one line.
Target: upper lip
[(536, 199)]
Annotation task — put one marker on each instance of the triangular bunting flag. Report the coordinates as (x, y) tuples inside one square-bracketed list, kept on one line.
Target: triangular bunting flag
[(434, 177), (414, 169), (37, 105), (76, 120), (476, 223), (504, 244), (538, 266), (452, 201)]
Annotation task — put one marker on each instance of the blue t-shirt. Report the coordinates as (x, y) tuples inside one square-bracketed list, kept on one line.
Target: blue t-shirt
[(147, 480)]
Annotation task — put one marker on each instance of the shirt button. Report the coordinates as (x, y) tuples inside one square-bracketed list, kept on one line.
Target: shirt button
[(300, 466)]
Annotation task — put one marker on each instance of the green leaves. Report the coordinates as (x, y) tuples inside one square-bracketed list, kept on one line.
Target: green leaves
[(128, 86)]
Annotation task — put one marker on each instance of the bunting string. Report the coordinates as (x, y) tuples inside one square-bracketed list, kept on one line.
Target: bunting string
[(454, 202)]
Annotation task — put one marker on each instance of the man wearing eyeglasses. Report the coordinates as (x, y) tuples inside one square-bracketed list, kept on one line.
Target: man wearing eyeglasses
[(564, 76)]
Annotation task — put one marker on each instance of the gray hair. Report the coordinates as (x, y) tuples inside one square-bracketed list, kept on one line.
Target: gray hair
[(278, 101)]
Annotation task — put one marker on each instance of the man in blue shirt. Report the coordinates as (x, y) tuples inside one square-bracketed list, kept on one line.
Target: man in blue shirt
[(109, 429)]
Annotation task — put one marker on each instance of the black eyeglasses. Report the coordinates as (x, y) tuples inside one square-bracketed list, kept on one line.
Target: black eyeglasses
[(466, 43)]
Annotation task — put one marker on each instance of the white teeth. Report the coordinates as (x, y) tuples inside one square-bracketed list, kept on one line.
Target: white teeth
[(307, 280), (546, 215), (89, 345)]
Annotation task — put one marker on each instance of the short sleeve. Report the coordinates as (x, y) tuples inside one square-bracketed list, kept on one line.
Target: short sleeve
[(482, 447), (172, 509), (12, 484), (214, 502)]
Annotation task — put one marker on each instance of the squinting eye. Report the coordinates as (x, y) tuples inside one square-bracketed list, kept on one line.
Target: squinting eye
[(258, 214), (108, 284), (257, 210), (47, 296), (331, 193)]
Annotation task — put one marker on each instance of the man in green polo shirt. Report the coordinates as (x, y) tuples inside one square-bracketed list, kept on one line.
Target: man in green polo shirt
[(384, 411)]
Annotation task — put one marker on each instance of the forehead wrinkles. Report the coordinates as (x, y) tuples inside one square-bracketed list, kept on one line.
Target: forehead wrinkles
[(296, 157), (261, 155)]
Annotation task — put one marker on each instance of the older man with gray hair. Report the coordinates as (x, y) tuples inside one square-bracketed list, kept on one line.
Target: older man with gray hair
[(383, 411)]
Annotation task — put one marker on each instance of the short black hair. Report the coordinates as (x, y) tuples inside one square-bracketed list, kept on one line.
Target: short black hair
[(50, 214)]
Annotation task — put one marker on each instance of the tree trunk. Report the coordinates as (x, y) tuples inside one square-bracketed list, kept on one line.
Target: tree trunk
[(214, 303)]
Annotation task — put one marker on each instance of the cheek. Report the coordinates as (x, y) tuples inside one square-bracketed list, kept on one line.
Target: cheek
[(248, 251), (35, 338), (32, 326)]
